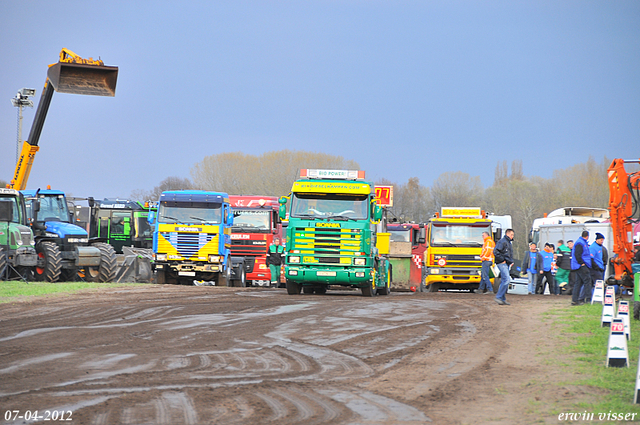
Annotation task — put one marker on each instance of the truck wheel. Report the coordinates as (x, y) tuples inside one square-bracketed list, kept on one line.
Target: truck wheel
[(308, 290), (3, 264), (106, 271), (636, 310), (49, 262), (369, 290), (224, 278), (293, 288), (321, 290), (242, 282), (434, 287), (160, 277)]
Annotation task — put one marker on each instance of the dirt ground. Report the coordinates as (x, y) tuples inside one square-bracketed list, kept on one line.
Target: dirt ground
[(206, 355)]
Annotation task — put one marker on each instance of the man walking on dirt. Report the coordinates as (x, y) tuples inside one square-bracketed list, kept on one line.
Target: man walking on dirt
[(504, 260), (581, 266), (487, 257)]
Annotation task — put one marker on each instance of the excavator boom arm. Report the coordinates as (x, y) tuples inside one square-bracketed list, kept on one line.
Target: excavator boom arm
[(624, 201)]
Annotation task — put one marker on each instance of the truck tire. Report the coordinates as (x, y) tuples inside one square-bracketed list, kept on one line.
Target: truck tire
[(3, 265), (434, 287), (49, 262), (224, 278), (293, 288), (242, 282), (369, 290), (308, 290), (160, 277), (106, 271)]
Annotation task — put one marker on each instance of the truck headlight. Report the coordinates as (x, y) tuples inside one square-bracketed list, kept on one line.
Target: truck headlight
[(434, 271), (294, 259), (161, 257), (293, 272), (214, 258), (359, 261)]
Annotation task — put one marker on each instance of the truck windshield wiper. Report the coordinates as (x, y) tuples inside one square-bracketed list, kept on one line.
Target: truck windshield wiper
[(306, 216), (444, 244), (197, 218), (341, 217), (170, 218)]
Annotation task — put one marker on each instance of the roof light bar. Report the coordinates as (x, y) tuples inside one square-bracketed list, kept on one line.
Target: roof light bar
[(313, 173)]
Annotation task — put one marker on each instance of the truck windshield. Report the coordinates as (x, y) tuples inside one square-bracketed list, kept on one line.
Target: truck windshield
[(251, 219), (16, 209), (399, 235), (449, 234), (189, 212), (53, 208), (329, 205)]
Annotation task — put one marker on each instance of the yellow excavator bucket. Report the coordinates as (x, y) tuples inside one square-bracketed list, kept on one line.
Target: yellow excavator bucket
[(75, 78)]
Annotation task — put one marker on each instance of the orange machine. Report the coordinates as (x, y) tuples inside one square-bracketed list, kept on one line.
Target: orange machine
[(624, 209)]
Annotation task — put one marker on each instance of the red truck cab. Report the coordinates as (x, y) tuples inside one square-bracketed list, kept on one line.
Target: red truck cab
[(255, 225)]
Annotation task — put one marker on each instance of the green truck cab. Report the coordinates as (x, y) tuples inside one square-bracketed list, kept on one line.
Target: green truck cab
[(18, 255), (334, 234)]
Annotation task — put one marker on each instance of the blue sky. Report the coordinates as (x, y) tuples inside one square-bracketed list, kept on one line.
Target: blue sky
[(406, 88)]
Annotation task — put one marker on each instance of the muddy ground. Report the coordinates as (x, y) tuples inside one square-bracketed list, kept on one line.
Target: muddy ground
[(206, 355)]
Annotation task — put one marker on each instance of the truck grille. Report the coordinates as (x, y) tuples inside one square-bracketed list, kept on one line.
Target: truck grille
[(463, 260), (244, 248), (328, 244), (188, 244)]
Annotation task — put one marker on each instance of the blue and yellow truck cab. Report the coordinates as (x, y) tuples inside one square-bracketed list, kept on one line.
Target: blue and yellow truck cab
[(192, 237)]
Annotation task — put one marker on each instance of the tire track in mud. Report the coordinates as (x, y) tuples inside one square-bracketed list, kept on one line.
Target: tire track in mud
[(349, 340)]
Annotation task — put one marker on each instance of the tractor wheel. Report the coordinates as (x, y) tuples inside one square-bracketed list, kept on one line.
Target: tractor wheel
[(369, 290), (293, 288), (3, 265), (49, 262), (106, 271), (69, 275)]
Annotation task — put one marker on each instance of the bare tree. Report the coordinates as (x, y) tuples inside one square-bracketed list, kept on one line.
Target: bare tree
[(271, 173), (170, 183)]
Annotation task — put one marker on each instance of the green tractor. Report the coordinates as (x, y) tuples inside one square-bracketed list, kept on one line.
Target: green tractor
[(18, 256)]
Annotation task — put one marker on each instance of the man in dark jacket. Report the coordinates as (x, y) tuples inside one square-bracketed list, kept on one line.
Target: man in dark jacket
[(504, 259), (581, 266)]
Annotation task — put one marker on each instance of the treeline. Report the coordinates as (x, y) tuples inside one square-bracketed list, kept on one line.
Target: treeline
[(524, 198), (512, 193)]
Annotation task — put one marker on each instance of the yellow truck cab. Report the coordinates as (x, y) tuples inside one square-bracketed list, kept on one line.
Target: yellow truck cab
[(452, 258)]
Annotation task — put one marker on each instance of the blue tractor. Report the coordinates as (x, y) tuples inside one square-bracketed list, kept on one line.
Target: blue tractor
[(64, 249)]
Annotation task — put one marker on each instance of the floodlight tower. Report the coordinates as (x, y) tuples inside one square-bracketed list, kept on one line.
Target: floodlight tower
[(19, 101)]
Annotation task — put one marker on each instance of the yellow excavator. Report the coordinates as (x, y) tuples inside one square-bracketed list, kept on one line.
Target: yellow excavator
[(72, 74)]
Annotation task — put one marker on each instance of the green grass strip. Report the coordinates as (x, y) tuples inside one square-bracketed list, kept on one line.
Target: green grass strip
[(587, 345), (10, 291)]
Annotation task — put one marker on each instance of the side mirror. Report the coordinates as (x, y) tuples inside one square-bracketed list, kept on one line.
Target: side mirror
[(422, 234), (91, 201), (151, 218), (282, 211), (377, 212), (229, 213)]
